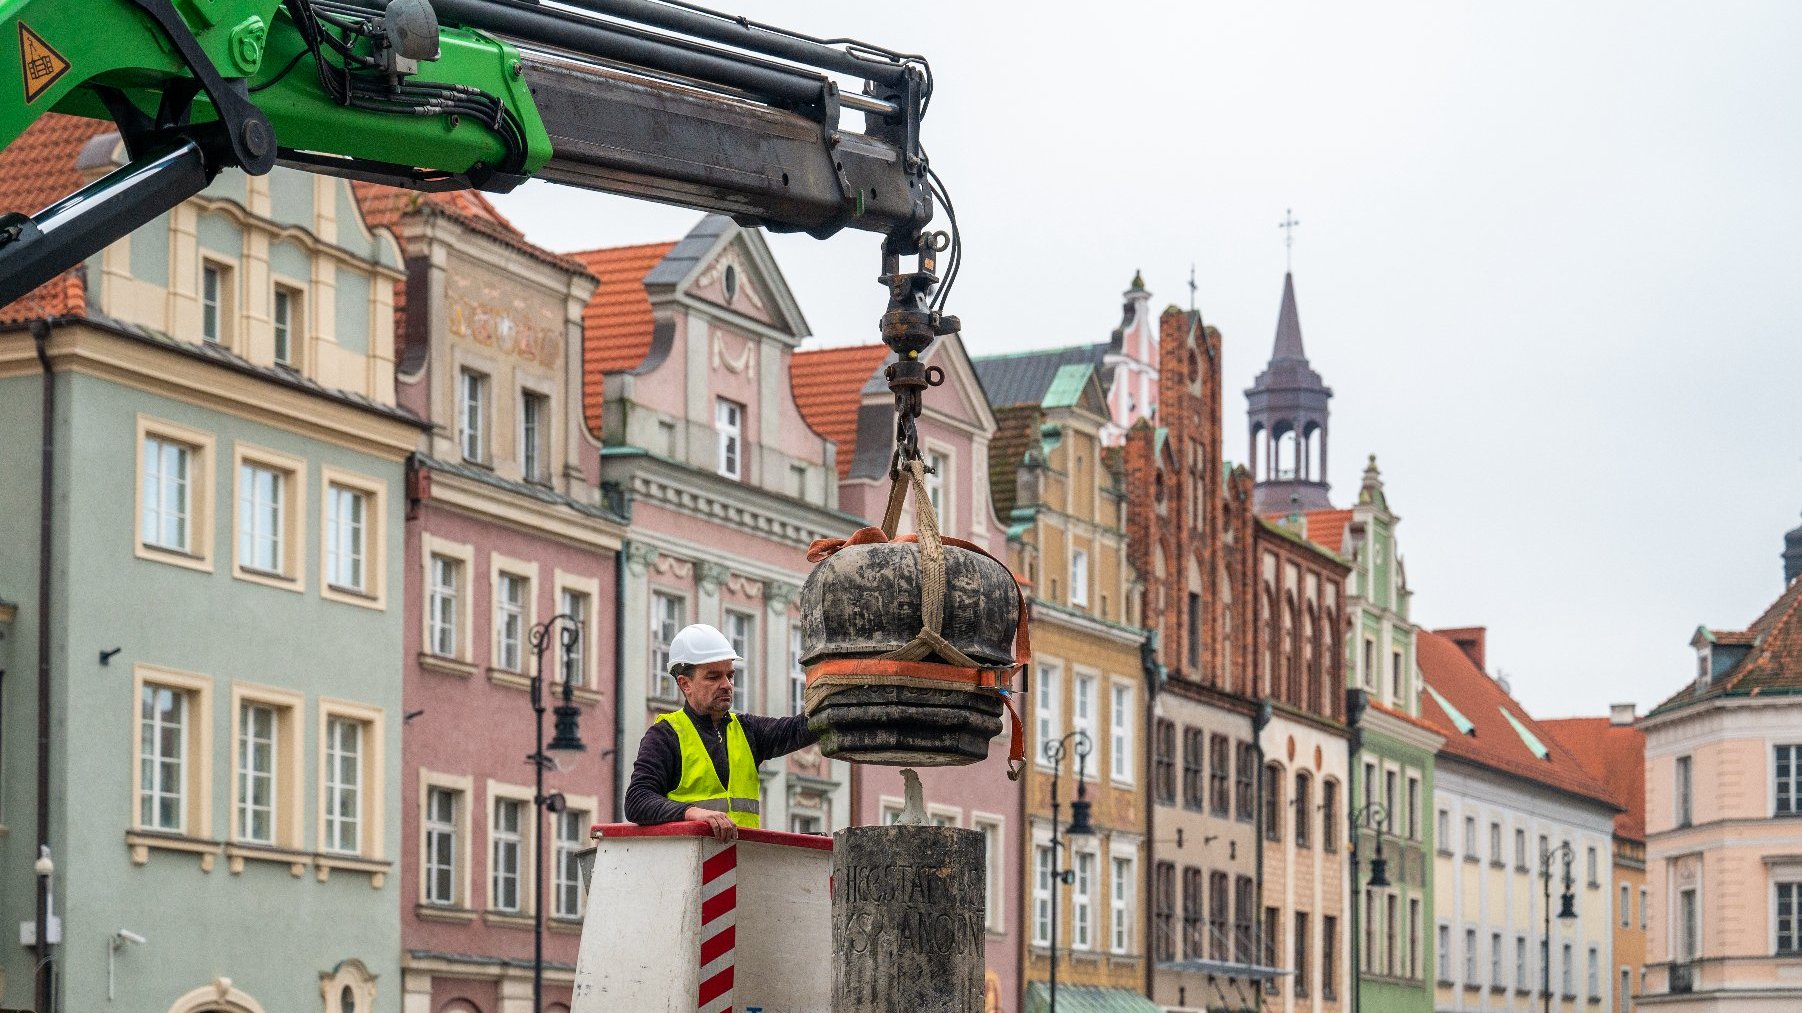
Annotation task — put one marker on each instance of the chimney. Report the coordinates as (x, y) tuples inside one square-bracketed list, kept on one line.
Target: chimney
[(1622, 714), (1470, 640)]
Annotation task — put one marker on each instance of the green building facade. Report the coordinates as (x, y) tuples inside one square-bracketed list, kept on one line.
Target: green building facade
[(222, 604)]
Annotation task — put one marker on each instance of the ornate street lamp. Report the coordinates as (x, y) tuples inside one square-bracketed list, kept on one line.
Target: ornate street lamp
[(566, 739), (1079, 827), (1371, 816), (1567, 911)]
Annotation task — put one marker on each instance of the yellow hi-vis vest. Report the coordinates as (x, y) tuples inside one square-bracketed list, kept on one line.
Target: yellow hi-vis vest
[(701, 785)]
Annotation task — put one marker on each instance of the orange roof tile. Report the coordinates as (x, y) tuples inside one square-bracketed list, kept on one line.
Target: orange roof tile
[(1616, 756), (36, 170), (617, 322), (1495, 744), (1326, 528), (828, 385)]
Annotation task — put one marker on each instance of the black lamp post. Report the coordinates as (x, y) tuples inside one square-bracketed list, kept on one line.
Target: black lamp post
[(1567, 911), (1079, 826), (1371, 816), (566, 739)]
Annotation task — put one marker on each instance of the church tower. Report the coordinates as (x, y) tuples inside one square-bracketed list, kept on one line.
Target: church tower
[(1287, 405)]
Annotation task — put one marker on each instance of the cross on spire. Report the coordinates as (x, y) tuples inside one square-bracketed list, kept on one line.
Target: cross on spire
[(1288, 225), (1191, 286)]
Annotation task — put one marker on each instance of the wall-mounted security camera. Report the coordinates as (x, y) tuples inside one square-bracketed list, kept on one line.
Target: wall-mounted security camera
[(127, 936)]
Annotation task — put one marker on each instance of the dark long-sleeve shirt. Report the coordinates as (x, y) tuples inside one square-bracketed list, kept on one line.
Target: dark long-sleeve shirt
[(658, 769)]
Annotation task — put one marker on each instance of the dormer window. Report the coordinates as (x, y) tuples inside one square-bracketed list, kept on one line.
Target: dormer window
[(728, 421), (1703, 663)]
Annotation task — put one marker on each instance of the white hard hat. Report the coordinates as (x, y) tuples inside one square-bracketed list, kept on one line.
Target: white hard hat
[(700, 644)]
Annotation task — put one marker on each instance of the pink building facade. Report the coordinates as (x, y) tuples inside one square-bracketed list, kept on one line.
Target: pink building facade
[(725, 483), (843, 394), (505, 529)]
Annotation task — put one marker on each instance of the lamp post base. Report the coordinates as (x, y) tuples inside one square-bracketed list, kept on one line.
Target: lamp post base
[(907, 920)]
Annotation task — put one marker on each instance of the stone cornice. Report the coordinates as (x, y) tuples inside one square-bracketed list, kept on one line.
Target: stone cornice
[(1407, 733), (1044, 611), (525, 514), (683, 490)]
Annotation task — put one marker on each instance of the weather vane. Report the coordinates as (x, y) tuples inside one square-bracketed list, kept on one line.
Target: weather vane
[(1288, 225)]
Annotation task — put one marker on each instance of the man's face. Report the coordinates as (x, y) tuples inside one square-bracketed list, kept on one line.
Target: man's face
[(709, 689)]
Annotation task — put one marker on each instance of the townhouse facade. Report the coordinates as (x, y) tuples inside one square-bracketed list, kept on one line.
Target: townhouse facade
[(1063, 499), (843, 395), (506, 529), (218, 612), (1518, 825), (723, 482), (1723, 797)]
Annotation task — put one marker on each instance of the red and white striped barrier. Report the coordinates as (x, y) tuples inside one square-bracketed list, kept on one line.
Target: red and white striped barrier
[(719, 921)]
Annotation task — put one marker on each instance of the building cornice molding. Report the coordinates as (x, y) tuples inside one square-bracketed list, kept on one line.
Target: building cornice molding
[(1405, 732), (655, 480), (525, 514), (1059, 615)]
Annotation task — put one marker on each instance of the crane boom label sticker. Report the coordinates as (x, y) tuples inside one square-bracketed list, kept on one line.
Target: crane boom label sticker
[(42, 65)]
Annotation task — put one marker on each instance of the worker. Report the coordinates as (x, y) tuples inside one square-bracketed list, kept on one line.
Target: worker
[(700, 763)]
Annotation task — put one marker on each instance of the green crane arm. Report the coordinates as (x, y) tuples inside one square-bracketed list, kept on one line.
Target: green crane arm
[(650, 98)]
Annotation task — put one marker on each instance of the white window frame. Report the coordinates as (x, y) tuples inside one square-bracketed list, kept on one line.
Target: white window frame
[(939, 485), (195, 764), (1444, 952), (441, 856), (1470, 955), (291, 330), (462, 790), (519, 841), (1041, 894), (1082, 899), (1086, 688), (797, 673), (196, 549), (462, 605), (535, 432), (370, 790), (741, 633), (566, 875), (1079, 577), (1123, 709), (1047, 711), (1683, 775), (729, 423), (287, 793), (221, 302), (373, 592), (1121, 893), (1786, 791), (587, 651), (1790, 882), (447, 583), (659, 644), (346, 779), (993, 828), (290, 525), (474, 407), (509, 653)]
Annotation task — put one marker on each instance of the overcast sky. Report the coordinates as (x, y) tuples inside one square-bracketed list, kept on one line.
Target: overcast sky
[(1548, 262)]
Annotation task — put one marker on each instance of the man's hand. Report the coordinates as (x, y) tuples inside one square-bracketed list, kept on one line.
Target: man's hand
[(724, 830)]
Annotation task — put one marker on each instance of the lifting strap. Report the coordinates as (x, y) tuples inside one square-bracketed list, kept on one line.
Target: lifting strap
[(904, 665)]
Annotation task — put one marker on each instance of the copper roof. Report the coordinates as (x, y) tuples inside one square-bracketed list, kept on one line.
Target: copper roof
[(1494, 742), (828, 386), (1614, 755)]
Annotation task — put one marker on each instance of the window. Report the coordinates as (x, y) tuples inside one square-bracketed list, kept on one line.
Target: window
[(1194, 638), (566, 873), (1625, 1001), (1789, 918), (1682, 793), (1301, 954), (1495, 959), (1370, 931), (1041, 895), (442, 816), (1470, 838), (1192, 905), (472, 415), (578, 605), (285, 313), (262, 505), (347, 538), (939, 469), (1050, 724), (511, 592), (1120, 752), (1163, 909), (1193, 787), (1786, 761), (1085, 705), (728, 421), (1082, 903), (797, 673), (994, 861), (1495, 844), (1520, 963), (666, 619), (256, 773), (1395, 675), (1391, 935), (1445, 953), (1470, 956), (1243, 799), (1520, 849), (507, 837), (343, 785), (1304, 812), (163, 729), (1413, 808), (1644, 898), (1219, 763), (169, 516), (1079, 577), (1689, 941), (1219, 901), (1565, 974), (1120, 902), (1595, 875), (1370, 664), (1244, 894), (442, 636), (215, 287), (1445, 832), (797, 481), (1272, 947), (1595, 973), (534, 437), (807, 823), (1329, 956), (741, 629), (1414, 937), (1164, 762), (1273, 802)]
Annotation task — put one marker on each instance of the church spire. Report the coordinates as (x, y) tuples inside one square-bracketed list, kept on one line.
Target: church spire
[(1287, 409), (1288, 326)]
